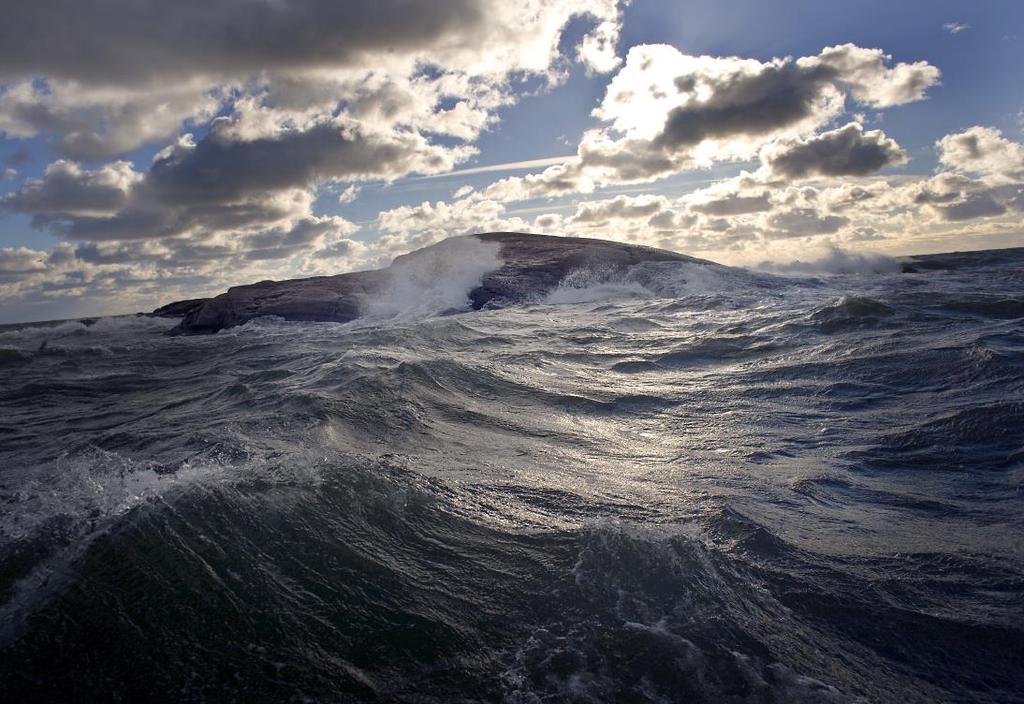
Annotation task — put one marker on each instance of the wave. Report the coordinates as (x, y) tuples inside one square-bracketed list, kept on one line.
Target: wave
[(438, 280), (836, 261), (665, 280), (662, 483)]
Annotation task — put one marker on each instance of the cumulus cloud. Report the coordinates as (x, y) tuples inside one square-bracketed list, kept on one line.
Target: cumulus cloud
[(619, 208), (221, 169), (97, 123), (732, 203), (767, 213), (429, 222), (67, 191), (847, 151), (666, 112), (983, 177), (873, 79), (702, 108), (973, 205), (126, 73), (130, 42), (798, 222), (597, 50), (280, 243), (16, 262), (983, 151)]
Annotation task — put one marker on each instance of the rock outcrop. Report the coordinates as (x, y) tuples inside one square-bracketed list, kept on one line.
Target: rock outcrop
[(513, 267), (179, 309)]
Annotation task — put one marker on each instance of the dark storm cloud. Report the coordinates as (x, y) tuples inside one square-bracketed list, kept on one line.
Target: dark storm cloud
[(776, 96), (226, 170), (134, 41), (847, 151), (104, 78)]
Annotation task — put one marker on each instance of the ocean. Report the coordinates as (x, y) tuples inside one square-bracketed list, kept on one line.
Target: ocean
[(690, 485)]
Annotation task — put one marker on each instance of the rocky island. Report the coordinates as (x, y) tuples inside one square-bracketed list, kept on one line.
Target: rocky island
[(496, 268)]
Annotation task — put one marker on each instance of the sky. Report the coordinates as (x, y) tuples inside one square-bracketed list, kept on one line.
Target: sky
[(154, 151)]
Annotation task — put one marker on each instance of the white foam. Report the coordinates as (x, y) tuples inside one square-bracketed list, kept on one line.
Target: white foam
[(78, 333), (435, 280), (646, 280), (836, 261)]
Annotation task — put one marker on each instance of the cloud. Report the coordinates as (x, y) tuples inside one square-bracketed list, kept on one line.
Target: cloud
[(847, 151), (983, 177), (130, 72), (873, 80), (100, 122), (667, 112), (974, 205), (597, 50), (799, 222), (350, 194), (733, 203), (429, 222), (219, 169), (621, 207), (776, 209), (17, 262), (143, 42), (115, 202), (66, 191), (280, 243), (983, 151), (220, 185), (276, 123), (285, 99)]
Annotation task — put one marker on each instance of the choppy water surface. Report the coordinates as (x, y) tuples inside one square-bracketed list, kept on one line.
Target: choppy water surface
[(737, 488)]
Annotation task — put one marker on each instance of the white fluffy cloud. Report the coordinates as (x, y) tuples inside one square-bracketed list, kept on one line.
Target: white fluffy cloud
[(983, 151), (666, 112)]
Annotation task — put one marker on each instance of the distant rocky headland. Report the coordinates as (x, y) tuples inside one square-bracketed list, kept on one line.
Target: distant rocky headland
[(496, 268)]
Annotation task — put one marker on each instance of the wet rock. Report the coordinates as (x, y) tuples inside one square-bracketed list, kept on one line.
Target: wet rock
[(527, 267)]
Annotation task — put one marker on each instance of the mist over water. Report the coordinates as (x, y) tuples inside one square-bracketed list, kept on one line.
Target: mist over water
[(437, 280), (678, 484)]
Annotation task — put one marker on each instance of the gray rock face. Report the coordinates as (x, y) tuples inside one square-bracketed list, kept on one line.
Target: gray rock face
[(511, 267), (179, 309)]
